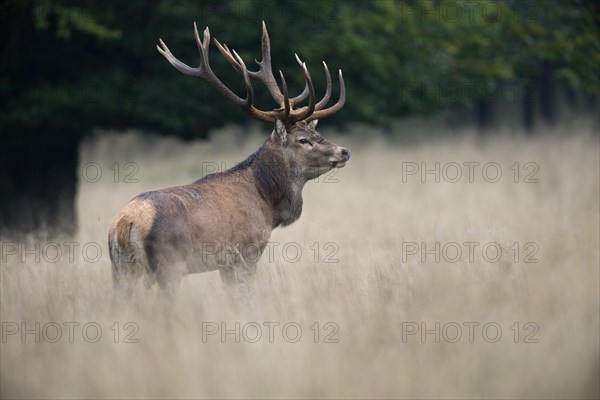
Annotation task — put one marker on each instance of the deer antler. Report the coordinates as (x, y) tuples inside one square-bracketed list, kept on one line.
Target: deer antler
[(286, 111)]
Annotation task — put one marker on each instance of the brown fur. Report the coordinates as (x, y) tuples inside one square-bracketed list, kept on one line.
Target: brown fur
[(142, 212), (122, 229), (236, 210), (224, 220)]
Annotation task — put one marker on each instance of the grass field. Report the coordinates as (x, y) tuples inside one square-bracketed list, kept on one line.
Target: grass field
[(347, 299)]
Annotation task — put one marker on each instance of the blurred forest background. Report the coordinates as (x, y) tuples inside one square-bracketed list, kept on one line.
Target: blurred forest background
[(69, 67)]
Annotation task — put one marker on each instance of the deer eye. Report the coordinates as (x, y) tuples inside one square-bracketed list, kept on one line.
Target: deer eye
[(304, 141)]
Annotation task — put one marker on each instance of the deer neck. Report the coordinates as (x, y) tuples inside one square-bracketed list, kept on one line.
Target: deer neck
[(278, 182)]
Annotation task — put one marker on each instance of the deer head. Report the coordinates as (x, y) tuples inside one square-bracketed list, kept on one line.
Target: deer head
[(308, 154)]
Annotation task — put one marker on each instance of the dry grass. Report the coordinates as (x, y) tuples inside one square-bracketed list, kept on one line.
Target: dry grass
[(373, 292)]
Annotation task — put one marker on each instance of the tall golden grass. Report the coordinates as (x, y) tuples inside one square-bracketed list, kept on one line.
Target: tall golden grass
[(353, 264)]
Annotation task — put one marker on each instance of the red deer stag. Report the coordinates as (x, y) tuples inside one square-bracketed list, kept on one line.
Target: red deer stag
[(224, 220)]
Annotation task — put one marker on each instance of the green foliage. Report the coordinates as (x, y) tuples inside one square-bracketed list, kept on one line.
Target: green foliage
[(68, 18), (69, 66)]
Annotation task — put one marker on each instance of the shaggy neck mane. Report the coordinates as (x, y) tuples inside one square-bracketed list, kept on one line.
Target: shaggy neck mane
[(276, 182)]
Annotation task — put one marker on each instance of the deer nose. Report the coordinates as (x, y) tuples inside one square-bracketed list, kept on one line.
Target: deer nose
[(346, 153)]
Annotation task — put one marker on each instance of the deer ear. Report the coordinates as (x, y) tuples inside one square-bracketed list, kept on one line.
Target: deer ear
[(313, 124), (279, 133)]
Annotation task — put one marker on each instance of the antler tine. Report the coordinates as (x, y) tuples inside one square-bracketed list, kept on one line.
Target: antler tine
[(334, 108), (325, 98), (302, 96), (249, 91), (249, 106), (305, 92), (265, 72), (228, 56), (181, 67), (201, 48), (286, 97), (307, 111)]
